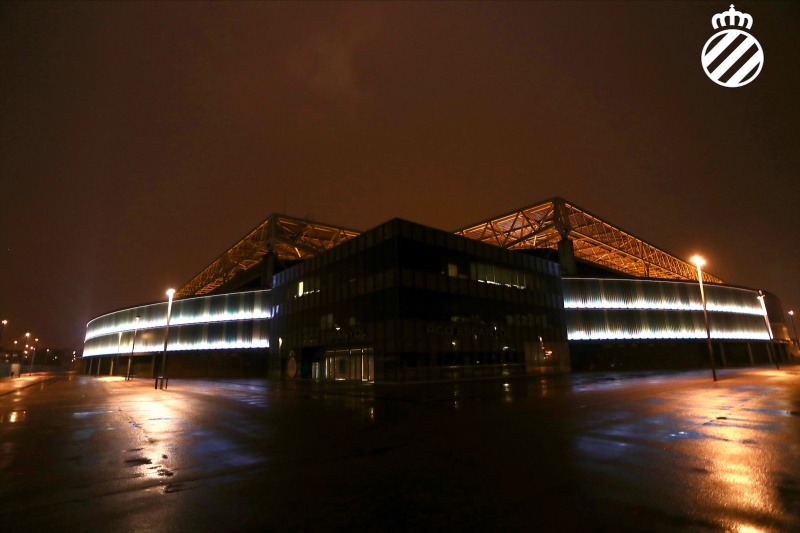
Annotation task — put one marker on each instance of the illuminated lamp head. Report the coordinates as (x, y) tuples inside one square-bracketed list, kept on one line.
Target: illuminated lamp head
[(699, 261)]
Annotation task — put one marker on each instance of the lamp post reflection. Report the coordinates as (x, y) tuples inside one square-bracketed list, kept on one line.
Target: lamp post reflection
[(170, 292), (699, 261), (773, 357), (133, 346)]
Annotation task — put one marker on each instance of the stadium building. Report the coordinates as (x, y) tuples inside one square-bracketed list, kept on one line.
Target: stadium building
[(545, 289)]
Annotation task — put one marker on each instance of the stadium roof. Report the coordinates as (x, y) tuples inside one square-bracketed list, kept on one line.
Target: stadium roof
[(290, 238), (541, 225), (544, 224)]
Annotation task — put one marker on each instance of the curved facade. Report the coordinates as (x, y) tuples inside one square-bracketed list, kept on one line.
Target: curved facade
[(237, 321), (597, 311)]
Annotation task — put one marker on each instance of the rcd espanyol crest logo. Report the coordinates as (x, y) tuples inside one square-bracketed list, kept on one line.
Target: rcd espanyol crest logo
[(732, 57)]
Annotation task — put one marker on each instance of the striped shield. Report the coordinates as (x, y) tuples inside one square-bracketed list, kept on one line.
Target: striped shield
[(732, 58)]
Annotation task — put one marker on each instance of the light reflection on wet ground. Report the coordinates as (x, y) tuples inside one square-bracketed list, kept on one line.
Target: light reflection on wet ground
[(720, 453), (613, 452)]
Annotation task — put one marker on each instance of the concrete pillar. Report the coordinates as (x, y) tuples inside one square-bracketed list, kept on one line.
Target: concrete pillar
[(89, 372), (268, 269), (750, 353), (772, 355), (111, 370), (782, 352), (722, 355), (566, 256), (99, 361)]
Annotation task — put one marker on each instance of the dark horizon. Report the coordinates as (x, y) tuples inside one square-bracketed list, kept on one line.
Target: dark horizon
[(142, 140)]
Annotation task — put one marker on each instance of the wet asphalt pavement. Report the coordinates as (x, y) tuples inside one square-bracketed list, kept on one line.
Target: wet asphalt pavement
[(611, 452)]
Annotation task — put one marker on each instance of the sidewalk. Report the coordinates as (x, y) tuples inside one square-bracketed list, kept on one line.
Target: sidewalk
[(9, 385)]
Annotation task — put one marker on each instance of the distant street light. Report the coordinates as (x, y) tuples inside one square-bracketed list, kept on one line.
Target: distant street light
[(796, 342), (2, 327), (699, 261), (769, 328), (170, 292), (133, 345)]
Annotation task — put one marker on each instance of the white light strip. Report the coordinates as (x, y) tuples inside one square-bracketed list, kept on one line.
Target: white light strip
[(129, 326), (664, 335), (221, 317), (601, 293), (659, 306), (183, 347), (179, 321), (257, 300)]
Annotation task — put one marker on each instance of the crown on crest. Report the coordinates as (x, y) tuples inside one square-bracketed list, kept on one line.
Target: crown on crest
[(731, 18)]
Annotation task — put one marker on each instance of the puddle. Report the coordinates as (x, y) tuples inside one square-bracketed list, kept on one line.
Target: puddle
[(772, 411), (173, 487), (138, 461)]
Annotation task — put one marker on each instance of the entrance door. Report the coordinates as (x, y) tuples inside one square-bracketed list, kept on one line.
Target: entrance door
[(350, 364)]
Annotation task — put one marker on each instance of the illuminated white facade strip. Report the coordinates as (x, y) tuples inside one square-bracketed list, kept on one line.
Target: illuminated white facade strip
[(593, 293), (660, 306), (236, 321), (225, 317), (179, 321), (179, 347), (254, 305), (665, 335), (631, 309)]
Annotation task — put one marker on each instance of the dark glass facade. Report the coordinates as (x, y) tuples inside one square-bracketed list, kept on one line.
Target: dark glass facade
[(404, 302)]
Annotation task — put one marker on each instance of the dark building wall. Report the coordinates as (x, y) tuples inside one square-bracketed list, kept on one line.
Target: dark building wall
[(665, 355), (409, 303)]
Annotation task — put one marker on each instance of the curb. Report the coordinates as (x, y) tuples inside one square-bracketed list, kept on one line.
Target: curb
[(31, 383)]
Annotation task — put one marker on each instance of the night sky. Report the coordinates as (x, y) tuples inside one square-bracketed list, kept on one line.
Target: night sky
[(138, 141)]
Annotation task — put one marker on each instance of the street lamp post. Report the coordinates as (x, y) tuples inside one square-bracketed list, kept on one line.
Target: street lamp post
[(170, 292), (699, 261), (2, 327), (769, 329), (33, 354), (135, 328), (27, 339), (796, 342)]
